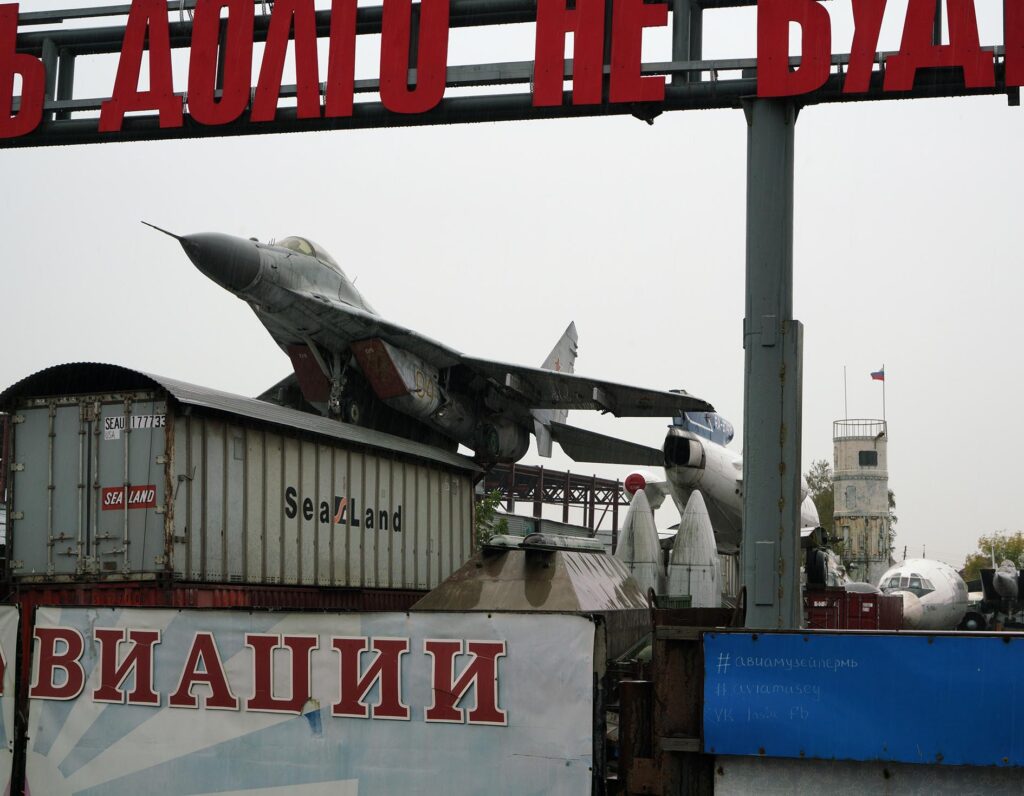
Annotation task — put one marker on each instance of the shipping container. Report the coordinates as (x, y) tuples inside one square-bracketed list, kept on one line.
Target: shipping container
[(122, 476), (833, 608)]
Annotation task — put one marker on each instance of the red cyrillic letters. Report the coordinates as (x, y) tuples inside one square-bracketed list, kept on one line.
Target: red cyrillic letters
[(431, 60), (341, 59), (586, 23), (629, 18), (386, 670), (49, 661), (33, 79), (1013, 25), (151, 16), (138, 660), (774, 77), (917, 50), (263, 647), (867, 23), (268, 89), (203, 105), (204, 650), (481, 672)]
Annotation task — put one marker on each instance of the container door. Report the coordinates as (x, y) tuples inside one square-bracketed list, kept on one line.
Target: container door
[(88, 488)]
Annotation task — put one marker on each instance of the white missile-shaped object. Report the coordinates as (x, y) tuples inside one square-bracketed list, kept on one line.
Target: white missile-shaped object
[(638, 546), (694, 568), (1004, 581)]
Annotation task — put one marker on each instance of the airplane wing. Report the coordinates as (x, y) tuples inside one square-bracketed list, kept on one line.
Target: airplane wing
[(336, 324), (549, 389), (588, 446)]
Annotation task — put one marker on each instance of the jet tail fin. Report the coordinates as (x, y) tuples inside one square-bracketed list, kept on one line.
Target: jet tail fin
[(562, 359)]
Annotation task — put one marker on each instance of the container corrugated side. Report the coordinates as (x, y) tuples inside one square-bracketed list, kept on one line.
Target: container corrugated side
[(132, 486)]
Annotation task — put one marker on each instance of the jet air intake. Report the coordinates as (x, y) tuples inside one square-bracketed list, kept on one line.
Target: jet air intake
[(683, 450)]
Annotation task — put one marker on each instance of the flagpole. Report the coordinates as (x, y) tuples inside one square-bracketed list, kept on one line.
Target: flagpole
[(883, 392), (846, 406)]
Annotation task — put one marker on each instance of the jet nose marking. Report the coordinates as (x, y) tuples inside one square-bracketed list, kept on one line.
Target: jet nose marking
[(231, 262)]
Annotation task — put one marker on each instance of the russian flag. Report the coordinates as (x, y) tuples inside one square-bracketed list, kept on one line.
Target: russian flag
[(879, 375)]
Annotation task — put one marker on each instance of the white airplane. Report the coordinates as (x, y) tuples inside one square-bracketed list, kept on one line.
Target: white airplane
[(934, 595), (695, 459)]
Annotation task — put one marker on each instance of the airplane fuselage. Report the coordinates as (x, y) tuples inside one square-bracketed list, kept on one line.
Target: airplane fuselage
[(934, 595)]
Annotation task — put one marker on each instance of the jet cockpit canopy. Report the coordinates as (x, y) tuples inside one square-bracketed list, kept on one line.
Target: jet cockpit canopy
[(309, 248)]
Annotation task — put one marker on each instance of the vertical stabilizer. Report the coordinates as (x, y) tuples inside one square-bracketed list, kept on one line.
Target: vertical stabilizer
[(562, 359)]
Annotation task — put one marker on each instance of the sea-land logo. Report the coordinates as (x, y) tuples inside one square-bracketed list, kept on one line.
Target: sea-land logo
[(344, 511), (132, 497)]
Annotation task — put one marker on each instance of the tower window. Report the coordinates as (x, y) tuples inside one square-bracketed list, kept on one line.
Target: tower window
[(868, 458)]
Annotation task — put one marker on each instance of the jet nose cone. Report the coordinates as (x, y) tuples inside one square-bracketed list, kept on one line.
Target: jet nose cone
[(231, 262), (913, 611)]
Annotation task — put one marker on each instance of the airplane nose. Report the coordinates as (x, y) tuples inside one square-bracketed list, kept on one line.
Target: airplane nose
[(231, 262), (912, 610)]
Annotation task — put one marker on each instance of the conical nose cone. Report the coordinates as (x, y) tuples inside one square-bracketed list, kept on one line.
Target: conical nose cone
[(231, 262), (695, 569), (638, 546), (695, 539), (638, 537)]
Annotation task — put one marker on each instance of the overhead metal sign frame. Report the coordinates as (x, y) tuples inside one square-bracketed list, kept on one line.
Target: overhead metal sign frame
[(607, 77)]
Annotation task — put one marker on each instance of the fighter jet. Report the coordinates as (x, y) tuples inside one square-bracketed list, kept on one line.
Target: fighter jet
[(934, 595), (352, 364)]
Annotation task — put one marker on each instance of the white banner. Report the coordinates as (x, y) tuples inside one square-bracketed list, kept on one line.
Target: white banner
[(8, 652), (160, 701)]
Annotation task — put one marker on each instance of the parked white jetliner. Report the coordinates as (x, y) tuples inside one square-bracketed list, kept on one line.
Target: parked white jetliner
[(934, 594)]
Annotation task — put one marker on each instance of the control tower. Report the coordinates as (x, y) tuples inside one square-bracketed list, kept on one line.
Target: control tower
[(861, 491)]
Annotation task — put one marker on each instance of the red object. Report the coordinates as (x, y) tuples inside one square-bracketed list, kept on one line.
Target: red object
[(376, 364), (867, 24), (385, 671), (774, 77), (312, 381), (33, 76), (1013, 31), (554, 21), (431, 61), (139, 497), (202, 68), (481, 672), (634, 483), (837, 609), (918, 52), (341, 59), (147, 25), (301, 15), (629, 19), (263, 646)]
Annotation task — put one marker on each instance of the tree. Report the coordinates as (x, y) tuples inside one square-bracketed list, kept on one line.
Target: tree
[(819, 484), (893, 519), (1007, 546), (484, 517)]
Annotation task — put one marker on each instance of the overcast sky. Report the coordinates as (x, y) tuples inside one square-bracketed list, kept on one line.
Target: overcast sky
[(492, 237)]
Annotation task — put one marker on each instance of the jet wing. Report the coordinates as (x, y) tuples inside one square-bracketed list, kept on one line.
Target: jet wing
[(337, 325), (588, 446), (550, 389)]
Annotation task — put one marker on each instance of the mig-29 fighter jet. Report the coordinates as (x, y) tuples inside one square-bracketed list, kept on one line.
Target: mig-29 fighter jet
[(351, 364)]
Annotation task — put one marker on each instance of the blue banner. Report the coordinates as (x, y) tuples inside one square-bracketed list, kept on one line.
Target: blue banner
[(953, 699)]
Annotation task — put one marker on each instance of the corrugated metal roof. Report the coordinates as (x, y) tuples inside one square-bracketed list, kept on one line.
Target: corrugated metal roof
[(82, 378)]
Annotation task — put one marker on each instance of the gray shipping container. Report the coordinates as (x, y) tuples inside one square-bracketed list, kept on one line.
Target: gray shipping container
[(117, 475)]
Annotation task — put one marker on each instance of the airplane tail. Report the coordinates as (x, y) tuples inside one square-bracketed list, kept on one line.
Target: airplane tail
[(562, 359)]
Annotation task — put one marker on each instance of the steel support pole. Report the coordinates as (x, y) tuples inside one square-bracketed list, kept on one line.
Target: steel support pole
[(772, 343)]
